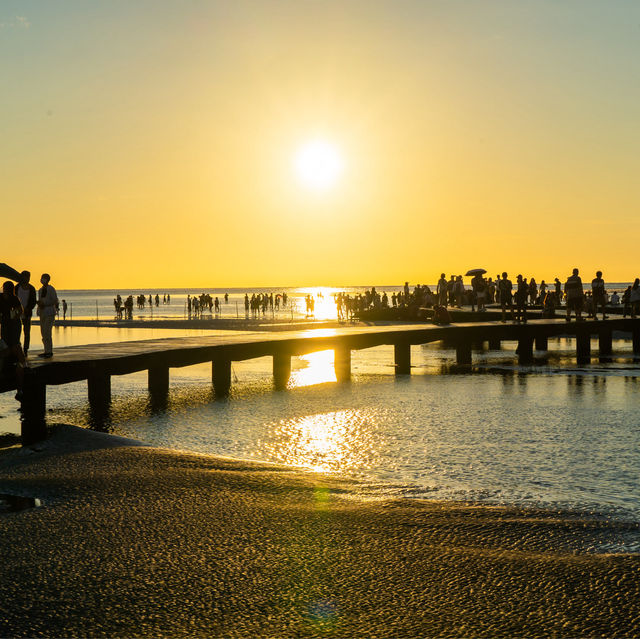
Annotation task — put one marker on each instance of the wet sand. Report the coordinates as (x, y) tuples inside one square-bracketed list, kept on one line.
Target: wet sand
[(134, 541)]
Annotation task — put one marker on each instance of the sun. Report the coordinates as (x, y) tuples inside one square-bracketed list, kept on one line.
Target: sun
[(318, 164)]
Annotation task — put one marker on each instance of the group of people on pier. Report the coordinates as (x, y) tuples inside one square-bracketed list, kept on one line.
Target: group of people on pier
[(511, 297), (516, 298), (17, 303)]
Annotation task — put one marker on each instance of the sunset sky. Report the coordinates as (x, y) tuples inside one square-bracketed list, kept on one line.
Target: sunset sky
[(156, 143)]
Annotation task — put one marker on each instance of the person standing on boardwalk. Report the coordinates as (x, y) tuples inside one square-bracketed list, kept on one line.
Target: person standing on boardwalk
[(533, 291), (10, 313), (558, 286), (26, 293), (458, 289), (575, 295), (599, 295), (522, 292), (479, 285), (442, 290), (505, 287), (543, 292), (634, 298), (47, 308)]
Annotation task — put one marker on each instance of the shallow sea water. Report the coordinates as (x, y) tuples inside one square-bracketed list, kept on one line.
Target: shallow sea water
[(550, 435)]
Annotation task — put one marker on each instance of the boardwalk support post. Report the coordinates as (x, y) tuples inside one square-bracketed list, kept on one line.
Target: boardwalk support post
[(636, 341), (463, 353), (583, 347), (34, 400), (342, 364), (281, 370), (525, 350), (402, 354), (221, 376), (542, 343), (99, 385), (158, 379), (605, 343)]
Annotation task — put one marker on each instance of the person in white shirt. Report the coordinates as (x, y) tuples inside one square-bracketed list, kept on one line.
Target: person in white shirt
[(47, 308)]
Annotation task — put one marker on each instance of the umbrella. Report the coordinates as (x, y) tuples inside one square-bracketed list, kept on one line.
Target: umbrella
[(7, 271), (476, 271)]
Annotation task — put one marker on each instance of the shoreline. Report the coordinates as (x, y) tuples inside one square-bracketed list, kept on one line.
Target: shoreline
[(205, 324), (140, 541)]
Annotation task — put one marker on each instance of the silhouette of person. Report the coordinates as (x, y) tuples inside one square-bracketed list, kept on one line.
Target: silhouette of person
[(575, 295), (26, 293), (10, 313), (599, 295), (47, 307), (506, 296)]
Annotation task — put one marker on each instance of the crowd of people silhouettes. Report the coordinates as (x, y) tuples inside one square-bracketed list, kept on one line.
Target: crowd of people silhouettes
[(17, 303)]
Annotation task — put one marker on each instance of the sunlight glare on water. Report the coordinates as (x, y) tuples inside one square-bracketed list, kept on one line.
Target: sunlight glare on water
[(550, 434), (336, 441), (324, 301), (315, 368)]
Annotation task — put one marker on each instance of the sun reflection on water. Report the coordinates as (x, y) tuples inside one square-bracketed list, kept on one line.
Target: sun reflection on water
[(324, 304), (336, 441), (313, 368)]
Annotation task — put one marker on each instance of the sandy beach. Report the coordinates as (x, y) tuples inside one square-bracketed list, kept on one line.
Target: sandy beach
[(133, 541)]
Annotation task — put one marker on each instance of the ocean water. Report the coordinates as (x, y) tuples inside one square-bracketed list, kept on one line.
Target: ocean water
[(550, 435), (98, 304)]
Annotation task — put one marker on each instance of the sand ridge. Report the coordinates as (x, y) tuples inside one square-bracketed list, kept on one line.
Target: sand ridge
[(135, 541)]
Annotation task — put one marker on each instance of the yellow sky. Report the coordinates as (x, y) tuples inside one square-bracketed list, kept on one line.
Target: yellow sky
[(152, 145)]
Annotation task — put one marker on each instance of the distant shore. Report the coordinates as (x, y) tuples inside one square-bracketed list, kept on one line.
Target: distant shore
[(140, 542)]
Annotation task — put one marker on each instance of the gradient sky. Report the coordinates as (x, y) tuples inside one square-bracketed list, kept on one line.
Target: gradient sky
[(150, 143)]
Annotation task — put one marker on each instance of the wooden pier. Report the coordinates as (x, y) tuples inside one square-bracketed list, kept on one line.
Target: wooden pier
[(97, 363)]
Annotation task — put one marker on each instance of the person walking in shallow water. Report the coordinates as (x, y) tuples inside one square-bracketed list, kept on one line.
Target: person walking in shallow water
[(47, 308)]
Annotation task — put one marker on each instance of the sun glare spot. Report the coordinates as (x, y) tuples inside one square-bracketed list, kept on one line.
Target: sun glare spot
[(318, 164)]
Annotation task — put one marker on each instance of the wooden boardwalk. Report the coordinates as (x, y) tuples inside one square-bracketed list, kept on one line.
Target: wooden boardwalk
[(97, 363)]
